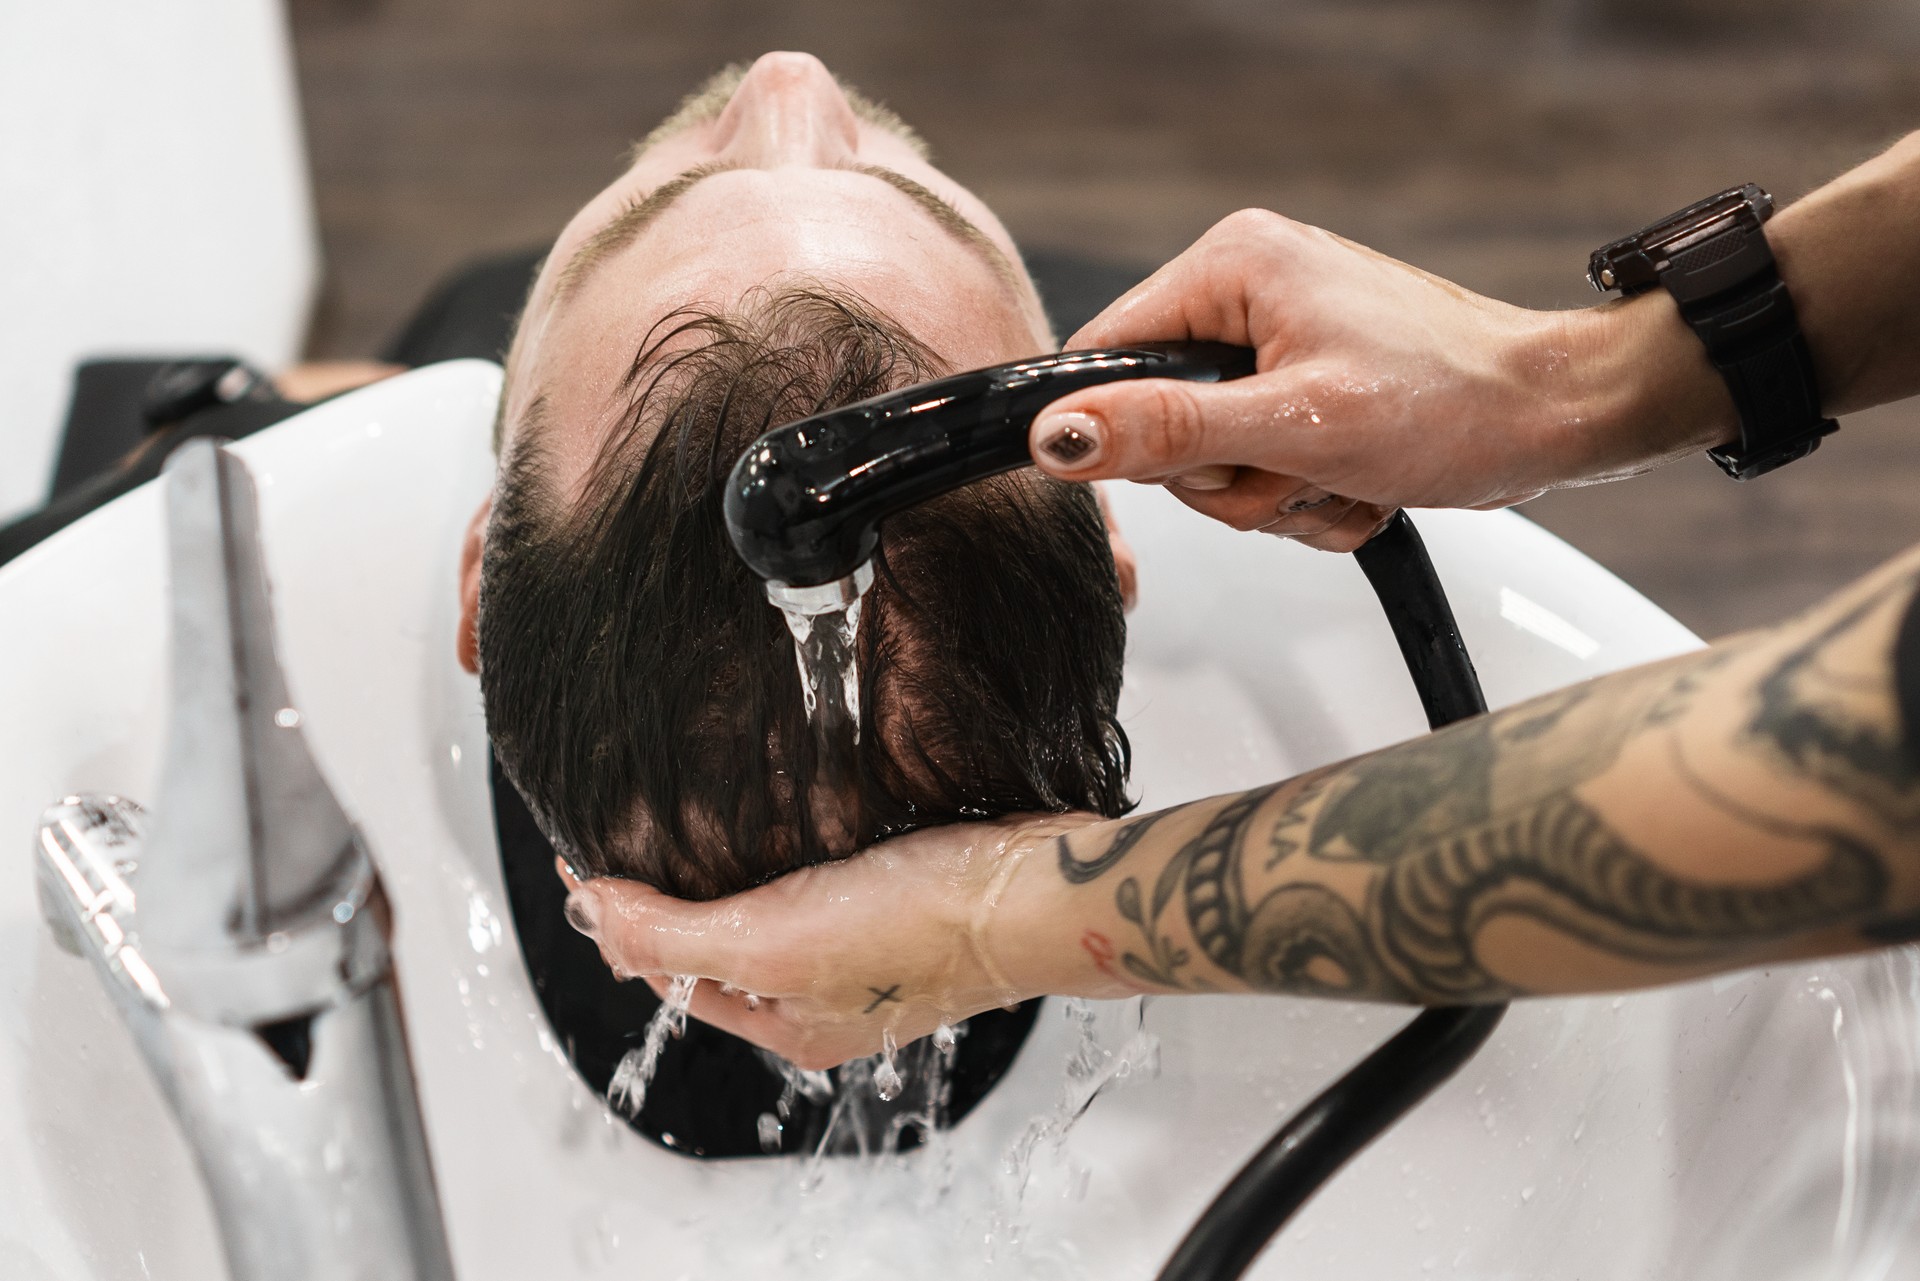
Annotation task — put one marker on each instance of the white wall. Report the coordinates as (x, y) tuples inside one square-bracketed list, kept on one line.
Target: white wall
[(153, 198)]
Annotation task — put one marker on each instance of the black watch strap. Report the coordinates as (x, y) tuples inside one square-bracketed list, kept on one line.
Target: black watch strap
[(1754, 340), (1714, 259)]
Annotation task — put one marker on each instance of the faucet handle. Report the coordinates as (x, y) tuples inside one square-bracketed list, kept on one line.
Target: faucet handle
[(256, 898), (248, 840)]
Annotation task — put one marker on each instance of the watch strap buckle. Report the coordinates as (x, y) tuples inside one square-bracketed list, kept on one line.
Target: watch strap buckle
[(1743, 466)]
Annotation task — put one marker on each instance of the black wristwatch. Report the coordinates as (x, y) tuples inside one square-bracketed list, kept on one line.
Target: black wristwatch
[(1714, 259)]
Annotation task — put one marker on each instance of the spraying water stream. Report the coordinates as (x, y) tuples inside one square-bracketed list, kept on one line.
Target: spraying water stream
[(823, 648), (634, 1073)]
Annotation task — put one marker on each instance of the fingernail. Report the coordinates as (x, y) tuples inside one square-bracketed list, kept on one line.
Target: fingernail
[(583, 914), (1203, 478), (1071, 439)]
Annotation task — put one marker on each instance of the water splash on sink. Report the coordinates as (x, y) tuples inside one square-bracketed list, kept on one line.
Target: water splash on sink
[(627, 1091)]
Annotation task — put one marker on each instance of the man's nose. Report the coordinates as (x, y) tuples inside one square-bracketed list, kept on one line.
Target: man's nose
[(788, 111)]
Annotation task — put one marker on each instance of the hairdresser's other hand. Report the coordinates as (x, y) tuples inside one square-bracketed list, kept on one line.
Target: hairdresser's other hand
[(1380, 387), (821, 965)]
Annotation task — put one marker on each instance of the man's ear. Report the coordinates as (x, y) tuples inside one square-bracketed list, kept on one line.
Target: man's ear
[(1124, 564), (467, 638)]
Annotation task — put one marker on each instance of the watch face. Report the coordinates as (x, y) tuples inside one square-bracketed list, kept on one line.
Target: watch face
[(1698, 215), (1633, 263), (1691, 226)]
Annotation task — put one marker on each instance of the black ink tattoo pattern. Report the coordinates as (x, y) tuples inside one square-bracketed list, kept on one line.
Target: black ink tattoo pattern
[(1804, 724), (1560, 864), (880, 998), (1078, 872), (1485, 821), (1300, 938)]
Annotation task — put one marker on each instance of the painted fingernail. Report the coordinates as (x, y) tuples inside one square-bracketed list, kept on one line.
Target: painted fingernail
[(1071, 439), (583, 914)]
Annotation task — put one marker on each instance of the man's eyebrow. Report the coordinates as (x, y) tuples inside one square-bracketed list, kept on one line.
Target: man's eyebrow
[(942, 211), (631, 221), (628, 224)]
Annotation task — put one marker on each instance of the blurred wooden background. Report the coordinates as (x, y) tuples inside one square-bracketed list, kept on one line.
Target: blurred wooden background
[(1491, 141)]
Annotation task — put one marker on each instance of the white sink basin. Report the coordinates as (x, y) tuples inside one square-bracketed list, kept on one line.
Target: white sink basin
[(1759, 1126)]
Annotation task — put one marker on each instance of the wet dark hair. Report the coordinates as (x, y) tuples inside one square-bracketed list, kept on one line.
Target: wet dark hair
[(642, 695)]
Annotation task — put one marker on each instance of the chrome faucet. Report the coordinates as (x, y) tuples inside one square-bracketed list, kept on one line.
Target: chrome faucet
[(243, 935)]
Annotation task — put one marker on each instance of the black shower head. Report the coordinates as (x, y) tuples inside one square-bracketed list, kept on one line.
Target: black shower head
[(805, 502)]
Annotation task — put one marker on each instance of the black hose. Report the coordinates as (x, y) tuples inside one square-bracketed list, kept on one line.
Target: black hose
[(1383, 1087), (1397, 566)]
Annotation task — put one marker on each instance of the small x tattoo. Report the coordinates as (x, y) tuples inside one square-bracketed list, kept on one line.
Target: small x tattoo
[(881, 998)]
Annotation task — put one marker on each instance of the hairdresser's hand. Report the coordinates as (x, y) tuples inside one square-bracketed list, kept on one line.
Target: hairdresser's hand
[(1380, 387), (823, 964)]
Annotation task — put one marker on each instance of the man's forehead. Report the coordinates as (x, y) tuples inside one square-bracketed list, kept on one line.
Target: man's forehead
[(754, 230), (630, 223)]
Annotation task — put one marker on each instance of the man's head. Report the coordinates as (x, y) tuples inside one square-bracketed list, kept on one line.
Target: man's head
[(775, 171), (777, 248)]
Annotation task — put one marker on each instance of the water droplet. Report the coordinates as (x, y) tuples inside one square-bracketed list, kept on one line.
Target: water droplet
[(886, 1074), (483, 927), (1526, 1195), (1078, 1178), (287, 718), (770, 1129)]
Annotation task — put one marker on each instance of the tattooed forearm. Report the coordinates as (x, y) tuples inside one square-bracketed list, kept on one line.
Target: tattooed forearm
[(1559, 864), (1380, 878)]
